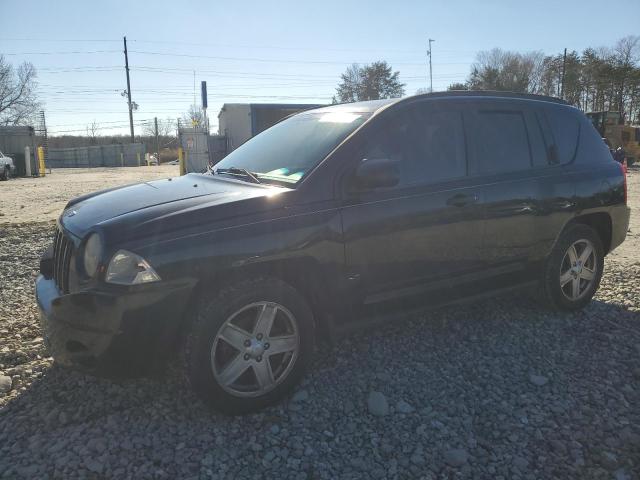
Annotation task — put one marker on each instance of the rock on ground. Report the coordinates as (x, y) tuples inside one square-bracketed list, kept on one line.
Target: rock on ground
[(456, 457), (465, 370), (377, 404), (5, 384), (538, 380)]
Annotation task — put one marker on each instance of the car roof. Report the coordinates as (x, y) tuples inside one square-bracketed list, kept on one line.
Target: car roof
[(356, 107), (373, 106)]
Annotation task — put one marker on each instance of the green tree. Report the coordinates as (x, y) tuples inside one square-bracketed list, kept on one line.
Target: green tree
[(596, 80), (368, 82)]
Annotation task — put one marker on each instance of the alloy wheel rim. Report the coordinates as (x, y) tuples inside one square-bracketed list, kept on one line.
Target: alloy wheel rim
[(255, 349), (578, 269)]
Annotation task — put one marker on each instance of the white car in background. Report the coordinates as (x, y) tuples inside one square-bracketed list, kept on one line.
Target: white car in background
[(7, 167)]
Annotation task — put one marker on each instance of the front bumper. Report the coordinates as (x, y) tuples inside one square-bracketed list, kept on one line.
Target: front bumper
[(112, 331)]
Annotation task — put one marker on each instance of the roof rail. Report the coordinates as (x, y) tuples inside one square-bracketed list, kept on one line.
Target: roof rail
[(490, 93)]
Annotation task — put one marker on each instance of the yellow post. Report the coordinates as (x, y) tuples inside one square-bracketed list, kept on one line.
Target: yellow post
[(41, 166), (182, 161), (138, 154), (122, 159)]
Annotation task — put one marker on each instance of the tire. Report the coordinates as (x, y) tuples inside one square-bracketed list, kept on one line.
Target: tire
[(5, 174), (558, 288), (240, 313)]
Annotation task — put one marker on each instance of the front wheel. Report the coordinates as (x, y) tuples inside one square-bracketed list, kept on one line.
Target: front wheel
[(5, 174), (573, 270), (249, 345)]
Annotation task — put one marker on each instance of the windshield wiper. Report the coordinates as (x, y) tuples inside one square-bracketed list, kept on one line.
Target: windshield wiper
[(240, 171)]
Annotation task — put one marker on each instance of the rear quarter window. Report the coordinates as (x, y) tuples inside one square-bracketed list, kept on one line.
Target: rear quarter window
[(565, 128), (592, 148)]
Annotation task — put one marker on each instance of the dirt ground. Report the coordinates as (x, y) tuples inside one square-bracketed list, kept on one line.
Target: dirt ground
[(25, 200)]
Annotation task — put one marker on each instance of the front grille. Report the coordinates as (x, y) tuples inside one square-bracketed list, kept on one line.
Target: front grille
[(62, 252)]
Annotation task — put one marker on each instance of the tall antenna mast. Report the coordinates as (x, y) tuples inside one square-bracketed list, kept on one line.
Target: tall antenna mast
[(430, 68)]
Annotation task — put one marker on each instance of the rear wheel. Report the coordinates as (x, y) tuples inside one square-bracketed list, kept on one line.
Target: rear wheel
[(573, 270), (6, 173), (249, 345)]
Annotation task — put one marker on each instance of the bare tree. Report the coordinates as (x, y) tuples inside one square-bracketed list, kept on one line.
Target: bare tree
[(599, 79), (507, 71), (18, 101), (148, 129), (166, 128), (626, 55), (193, 117), (92, 132)]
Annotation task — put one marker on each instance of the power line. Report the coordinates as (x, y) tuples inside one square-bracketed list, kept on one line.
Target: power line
[(77, 69), (77, 124), (79, 52), (49, 40), (202, 70), (270, 60), (295, 79), (271, 47)]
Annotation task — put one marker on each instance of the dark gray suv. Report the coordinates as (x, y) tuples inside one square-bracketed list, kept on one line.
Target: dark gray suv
[(331, 217)]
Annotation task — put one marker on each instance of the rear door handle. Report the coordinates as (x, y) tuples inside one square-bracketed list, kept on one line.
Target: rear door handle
[(461, 199)]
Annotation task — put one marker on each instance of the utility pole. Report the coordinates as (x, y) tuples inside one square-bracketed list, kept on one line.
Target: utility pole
[(126, 66), (157, 141), (564, 66), (430, 69)]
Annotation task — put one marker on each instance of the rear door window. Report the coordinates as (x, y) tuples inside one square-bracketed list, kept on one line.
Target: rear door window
[(565, 128), (500, 141)]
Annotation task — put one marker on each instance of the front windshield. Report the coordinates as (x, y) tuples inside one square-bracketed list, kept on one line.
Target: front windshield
[(290, 149)]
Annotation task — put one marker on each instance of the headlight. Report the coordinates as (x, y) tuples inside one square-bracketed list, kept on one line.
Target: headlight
[(92, 254), (127, 268)]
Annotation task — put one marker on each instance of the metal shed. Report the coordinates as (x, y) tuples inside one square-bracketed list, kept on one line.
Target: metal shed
[(238, 122), (13, 139)]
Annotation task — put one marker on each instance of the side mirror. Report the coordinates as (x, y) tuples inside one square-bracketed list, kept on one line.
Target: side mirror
[(377, 173)]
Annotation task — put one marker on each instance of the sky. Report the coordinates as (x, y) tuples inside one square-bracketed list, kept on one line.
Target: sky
[(270, 52)]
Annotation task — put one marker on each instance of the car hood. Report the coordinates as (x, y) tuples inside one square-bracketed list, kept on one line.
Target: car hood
[(136, 207)]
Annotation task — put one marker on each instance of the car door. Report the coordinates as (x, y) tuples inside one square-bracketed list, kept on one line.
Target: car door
[(426, 231), (524, 194)]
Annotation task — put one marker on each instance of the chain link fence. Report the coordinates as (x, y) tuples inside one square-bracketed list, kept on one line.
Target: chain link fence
[(129, 155)]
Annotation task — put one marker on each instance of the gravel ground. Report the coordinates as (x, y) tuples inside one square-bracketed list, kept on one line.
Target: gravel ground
[(19, 195), (498, 389)]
